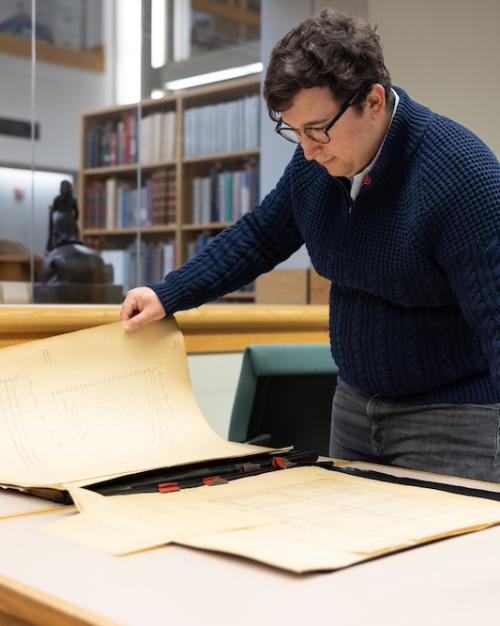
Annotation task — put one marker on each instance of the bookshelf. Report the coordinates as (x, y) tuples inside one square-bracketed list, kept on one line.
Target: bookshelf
[(174, 171)]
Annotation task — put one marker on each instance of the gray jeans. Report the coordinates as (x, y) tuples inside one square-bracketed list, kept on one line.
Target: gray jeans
[(455, 439)]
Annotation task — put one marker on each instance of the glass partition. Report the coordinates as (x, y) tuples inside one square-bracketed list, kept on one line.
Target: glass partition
[(96, 185)]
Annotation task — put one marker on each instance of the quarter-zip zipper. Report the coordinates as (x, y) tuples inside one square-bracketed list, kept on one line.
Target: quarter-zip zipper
[(350, 203)]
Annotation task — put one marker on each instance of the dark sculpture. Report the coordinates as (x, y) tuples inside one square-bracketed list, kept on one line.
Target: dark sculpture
[(68, 260), (63, 218), (71, 271)]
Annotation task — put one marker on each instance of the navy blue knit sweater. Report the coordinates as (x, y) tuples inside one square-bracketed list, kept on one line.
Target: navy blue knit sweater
[(414, 262)]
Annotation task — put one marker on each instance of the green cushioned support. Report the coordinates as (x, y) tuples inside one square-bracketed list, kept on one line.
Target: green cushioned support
[(273, 360)]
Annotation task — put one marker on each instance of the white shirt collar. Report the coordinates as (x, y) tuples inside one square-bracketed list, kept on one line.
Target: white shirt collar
[(358, 179)]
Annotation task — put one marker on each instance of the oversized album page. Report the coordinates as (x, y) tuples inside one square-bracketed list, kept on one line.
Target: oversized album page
[(299, 519), (99, 403)]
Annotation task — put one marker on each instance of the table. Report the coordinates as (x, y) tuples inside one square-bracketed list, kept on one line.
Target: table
[(50, 582)]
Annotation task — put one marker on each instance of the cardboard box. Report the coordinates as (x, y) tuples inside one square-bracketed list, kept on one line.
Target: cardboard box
[(283, 287), (319, 288)]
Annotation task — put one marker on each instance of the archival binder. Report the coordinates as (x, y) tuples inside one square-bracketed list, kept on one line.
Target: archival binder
[(192, 475)]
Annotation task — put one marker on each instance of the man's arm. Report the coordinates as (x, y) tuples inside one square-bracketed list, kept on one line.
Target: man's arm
[(255, 244)]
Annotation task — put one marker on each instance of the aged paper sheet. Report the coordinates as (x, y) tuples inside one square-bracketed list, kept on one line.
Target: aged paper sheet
[(301, 519), (124, 524), (97, 403)]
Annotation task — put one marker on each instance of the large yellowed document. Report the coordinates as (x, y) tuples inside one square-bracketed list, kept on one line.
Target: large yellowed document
[(299, 519), (98, 403)]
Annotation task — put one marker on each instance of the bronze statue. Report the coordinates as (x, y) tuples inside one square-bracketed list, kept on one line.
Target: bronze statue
[(63, 218), (68, 260)]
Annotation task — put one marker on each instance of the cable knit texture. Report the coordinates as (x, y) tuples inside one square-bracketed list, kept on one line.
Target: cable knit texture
[(415, 265)]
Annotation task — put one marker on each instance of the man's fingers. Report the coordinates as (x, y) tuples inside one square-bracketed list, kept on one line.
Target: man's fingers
[(140, 307), (129, 308), (137, 321)]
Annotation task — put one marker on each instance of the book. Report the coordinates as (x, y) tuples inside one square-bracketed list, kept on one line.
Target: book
[(223, 127), (112, 142), (120, 261), (223, 195), (163, 197)]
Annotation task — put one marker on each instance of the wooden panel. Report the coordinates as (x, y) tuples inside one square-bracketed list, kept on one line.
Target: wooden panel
[(210, 328), (35, 608), (10, 620), (319, 288), (91, 60), (218, 92), (222, 156), (235, 14), (18, 270), (282, 287), (237, 342)]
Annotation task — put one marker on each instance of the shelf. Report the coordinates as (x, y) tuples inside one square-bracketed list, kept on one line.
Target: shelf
[(90, 60), (112, 169), (228, 12), (126, 169), (223, 156), (223, 90), (155, 166), (112, 232), (133, 167), (210, 226), (16, 258)]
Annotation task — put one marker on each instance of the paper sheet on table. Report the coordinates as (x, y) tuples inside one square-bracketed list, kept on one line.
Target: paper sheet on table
[(124, 524), (99, 403), (301, 519)]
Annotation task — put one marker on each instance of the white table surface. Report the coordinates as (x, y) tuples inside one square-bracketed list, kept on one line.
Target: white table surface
[(456, 581)]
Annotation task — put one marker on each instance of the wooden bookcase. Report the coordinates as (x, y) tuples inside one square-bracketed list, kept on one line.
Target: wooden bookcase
[(110, 151)]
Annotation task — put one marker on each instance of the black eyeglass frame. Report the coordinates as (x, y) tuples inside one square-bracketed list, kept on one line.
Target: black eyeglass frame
[(326, 129)]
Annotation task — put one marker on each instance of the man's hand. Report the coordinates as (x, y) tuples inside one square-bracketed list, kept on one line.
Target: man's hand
[(140, 307)]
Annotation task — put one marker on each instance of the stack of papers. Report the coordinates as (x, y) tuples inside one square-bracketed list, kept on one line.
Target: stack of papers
[(89, 406), (299, 519)]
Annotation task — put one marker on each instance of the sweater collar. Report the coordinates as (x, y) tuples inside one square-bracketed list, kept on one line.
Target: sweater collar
[(403, 138), (362, 177)]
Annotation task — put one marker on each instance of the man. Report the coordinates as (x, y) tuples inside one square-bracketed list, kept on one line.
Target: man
[(400, 208)]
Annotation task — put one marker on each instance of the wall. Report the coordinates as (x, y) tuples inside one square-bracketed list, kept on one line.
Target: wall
[(278, 17), (446, 55), (214, 378), (62, 93)]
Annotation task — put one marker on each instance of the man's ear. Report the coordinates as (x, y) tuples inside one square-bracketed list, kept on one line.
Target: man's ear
[(375, 100)]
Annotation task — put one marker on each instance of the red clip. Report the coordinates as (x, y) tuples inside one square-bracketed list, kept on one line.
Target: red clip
[(210, 481), (366, 180), (280, 462), (168, 487)]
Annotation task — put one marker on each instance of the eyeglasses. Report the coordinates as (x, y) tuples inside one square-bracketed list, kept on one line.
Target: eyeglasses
[(316, 134)]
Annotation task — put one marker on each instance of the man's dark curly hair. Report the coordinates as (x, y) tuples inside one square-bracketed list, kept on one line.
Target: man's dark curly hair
[(331, 49)]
